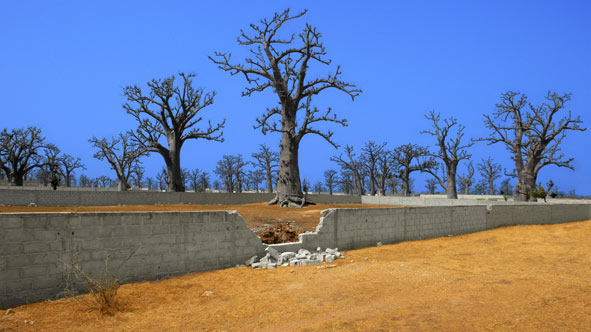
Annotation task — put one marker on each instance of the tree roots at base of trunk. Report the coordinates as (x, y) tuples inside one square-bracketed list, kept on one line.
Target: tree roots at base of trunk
[(290, 201)]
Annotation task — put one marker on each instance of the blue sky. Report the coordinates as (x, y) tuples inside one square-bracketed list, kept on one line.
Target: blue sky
[(64, 64)]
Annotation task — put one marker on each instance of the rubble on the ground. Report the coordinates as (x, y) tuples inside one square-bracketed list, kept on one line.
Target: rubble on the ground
[(281, 232), (303, 257)]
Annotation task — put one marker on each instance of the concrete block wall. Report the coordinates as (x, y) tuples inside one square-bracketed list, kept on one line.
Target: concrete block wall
[(101, 198), (165, 243), (358, 228)]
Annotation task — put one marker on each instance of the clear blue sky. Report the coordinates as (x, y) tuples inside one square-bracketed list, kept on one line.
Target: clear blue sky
[(63, 65)]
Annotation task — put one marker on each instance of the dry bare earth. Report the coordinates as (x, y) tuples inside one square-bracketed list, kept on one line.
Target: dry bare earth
[(524, 278)]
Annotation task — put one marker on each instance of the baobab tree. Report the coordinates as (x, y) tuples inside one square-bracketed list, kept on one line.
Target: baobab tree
[(69, 165), (409, 158), (451, 150), (21, 151), (170, 111), (465, 180), (330, 178), (532, 134), (282, 64), (490, 171), (230, 169), (122, 154), (371, 154), (385, 170), (431, 185), (266, 161), (353, 166)]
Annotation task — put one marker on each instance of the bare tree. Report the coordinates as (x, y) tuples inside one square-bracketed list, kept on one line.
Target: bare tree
[(282, 65), (150, 183), (345, 181), (465, 180), (393, 184), (267, 161), (170, 111), (318, 187), (21, 152), (370, 157), (385, 171), (122, 154), (505, 187), (69, 165), (451, 150), (431, 185), (230, 169), (162, 178), (330, 178), (203, 181), (84, 181), (137, 176), (254, 179), (490, 171), (532, 136), (409, 158), (354, 166), (194, 179)]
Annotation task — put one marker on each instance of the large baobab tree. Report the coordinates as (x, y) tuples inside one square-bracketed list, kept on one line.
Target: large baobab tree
[(122, 154), (170, 111), (281, 64), (266, 161), (21, 151), (490, 171), (465, 180), (451, 150), (353, 166), (409, 158), (532, 134)]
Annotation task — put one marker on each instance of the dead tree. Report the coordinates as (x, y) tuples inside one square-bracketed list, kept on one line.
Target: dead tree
[(431, 185), (330, 178), (490, 171), (451, 151), (162, 178), (267, 161), (21, 152), (230, 169), (254, 179), (69, 165), (282, 65), (465, 180), (122, 154), (194, 179), (138, 173), (409, 158), (354, 167), (370, 157), (532, 135), (385, 171), (170, 111)]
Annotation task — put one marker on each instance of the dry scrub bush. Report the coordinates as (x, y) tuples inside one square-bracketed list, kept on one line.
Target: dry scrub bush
[(103, 290)]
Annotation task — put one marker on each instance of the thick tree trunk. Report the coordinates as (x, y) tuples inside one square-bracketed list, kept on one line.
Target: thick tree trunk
[(526, 182), (451, 182), (269, 181), (122, 185), (491, 188), (289, 187), (406, 185), (173, 164)]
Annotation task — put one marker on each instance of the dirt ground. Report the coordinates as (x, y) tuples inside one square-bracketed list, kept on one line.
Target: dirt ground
[(523, 278), (255, 214)]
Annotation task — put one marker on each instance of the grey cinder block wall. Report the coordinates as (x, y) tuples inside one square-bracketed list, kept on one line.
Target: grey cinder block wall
[(172, 243), (103, 198)]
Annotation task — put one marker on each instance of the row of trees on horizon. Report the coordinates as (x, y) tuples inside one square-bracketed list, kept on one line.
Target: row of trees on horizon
[(168, 113)]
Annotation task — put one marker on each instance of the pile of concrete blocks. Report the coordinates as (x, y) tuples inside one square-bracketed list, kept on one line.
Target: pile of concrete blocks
[(303, 257)]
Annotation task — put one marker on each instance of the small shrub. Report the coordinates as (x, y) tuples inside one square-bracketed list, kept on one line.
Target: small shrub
[(103, 290)]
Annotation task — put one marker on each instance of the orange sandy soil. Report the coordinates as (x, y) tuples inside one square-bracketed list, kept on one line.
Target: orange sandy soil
[(523, 278), (255, 214)]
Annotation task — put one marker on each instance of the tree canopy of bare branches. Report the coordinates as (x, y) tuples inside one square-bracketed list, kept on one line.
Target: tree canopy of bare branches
[(372, 154), (409, 158), (352, 165), (122, 154), (267, 161), (281, 64), (465, 180), (451, 150), (490, 171), (532, 134), (330, 178), (21, 151), (170, 111)]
